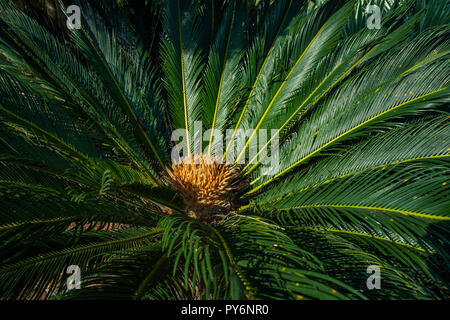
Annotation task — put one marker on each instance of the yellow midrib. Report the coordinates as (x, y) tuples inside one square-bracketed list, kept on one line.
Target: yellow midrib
[(338, 137), (278, 92), (183, 81), (354, 172), (405, 212), (221, 79), (307, 99), (256, 81), (407, 71), (423, 61)]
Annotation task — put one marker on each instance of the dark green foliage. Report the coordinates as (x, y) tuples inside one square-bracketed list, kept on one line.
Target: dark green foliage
[(85, 123)]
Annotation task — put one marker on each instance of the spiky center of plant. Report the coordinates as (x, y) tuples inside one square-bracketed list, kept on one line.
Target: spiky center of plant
[(207, 187)]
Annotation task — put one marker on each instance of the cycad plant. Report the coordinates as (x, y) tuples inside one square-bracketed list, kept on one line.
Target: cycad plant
[(355, 117)]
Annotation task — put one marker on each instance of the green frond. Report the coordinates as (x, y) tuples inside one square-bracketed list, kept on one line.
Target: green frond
[(41, 275), (414, 142), (308, 40), (183, 64), (223, 72), (353, 114), (347, 257), (86, 118)]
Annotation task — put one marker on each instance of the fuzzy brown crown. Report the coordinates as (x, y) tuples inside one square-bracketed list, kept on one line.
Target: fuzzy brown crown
[(206, 185)]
